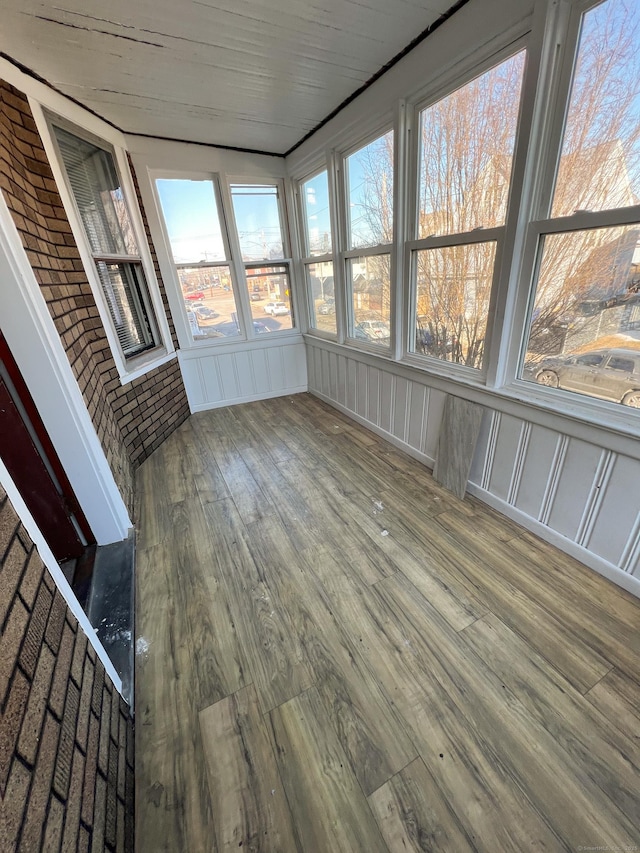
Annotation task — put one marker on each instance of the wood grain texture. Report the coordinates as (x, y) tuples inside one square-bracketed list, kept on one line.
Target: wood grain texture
[(329, 809), (414, 816), (452, 684), (247, 798), (459, 432)]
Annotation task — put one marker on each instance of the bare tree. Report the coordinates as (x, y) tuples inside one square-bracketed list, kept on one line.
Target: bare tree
[(467, 140)]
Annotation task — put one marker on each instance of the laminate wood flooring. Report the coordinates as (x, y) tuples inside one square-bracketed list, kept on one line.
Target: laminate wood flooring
[(336, 654)]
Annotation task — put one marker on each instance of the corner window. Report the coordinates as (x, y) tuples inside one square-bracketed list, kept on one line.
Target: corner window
[(466, 144), (201, 255), (587, 282), (318, 253), (96, 187), (258, 219), (368, 175)]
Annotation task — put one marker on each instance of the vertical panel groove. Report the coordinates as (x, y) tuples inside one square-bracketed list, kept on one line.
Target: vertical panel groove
[(521, 454), (425, 417), (554, 478), (596, 497), (489, 459)]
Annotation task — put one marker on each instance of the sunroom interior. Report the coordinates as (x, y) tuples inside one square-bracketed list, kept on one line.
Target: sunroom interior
[(320, 471)]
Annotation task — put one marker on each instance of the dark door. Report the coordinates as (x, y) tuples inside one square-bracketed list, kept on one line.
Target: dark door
[(33, 464)]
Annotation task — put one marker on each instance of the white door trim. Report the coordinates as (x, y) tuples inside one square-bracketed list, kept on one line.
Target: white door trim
[(36, 346)]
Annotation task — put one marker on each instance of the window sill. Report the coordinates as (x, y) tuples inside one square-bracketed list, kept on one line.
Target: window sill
[(145, 363)]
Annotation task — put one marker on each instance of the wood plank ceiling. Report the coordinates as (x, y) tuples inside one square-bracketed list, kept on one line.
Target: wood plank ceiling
[(256, 74)]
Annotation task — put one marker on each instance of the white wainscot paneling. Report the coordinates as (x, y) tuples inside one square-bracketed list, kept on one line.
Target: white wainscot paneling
[(216, 377), (404, 411), (572, 485), (614, 532), (503, 470), (580, 497)]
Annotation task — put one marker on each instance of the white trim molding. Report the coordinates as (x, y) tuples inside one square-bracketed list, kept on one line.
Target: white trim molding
[(36, 346)]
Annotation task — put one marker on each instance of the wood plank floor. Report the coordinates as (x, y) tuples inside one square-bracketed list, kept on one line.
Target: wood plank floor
[(335, 654)]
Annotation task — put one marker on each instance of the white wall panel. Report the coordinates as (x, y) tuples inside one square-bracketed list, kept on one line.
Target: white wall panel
[(536, 470), (435, 409), (400, 408), (251, 371), (505, 455), (615, 529), (579, 496), (573, 487)]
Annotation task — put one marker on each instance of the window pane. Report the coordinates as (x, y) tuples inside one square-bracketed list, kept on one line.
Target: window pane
[(600, 163), (270, 297), (322, 296), (370, 292), (98, 194), (123, 285), (191, 216), (585, 326), (452, 301), (257, 221), (370, 193), (317, 221), (467, 142), (209, 301)]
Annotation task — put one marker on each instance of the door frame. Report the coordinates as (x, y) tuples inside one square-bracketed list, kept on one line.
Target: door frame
[(37, 349)]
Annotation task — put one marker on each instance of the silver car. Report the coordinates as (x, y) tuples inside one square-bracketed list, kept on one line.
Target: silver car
[(610, 374)]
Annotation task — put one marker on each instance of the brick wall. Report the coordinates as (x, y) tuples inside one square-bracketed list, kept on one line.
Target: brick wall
[(66, 738), (131, 420)]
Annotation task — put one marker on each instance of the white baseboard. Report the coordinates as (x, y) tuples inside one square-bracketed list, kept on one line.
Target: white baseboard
[(252, 398), (608, 570), (388, 436)]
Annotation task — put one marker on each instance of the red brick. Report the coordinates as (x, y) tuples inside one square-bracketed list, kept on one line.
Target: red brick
[(79, 654), (32, 577), (53, 829), (35, 632), (40, 787), (10, 644), (74, 801), (99, 814), (62, 773), (61, 675), (10, 574), (14, 802), (29, 740), (85, 704), (90, 773), (11, 721), (9, 522), (56, 621)]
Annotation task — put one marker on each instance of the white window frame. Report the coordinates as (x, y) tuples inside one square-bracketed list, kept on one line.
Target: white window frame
[(242, 266), (561, 27), (498, 234), (344, 254), (307, 260), (179, 312), (136, 366)]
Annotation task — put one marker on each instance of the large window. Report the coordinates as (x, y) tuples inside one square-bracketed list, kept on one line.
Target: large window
[(94, 182), (368, 191), (201, 254), (258, 219), (317, 252), (466, 144), (584, 320)]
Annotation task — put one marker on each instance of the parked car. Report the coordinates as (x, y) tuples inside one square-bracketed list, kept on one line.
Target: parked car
[(254, 296), (259, 327), (327, 307), (204, 313), (610, 374), (276, 308), (197, 294), (375, 330)]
